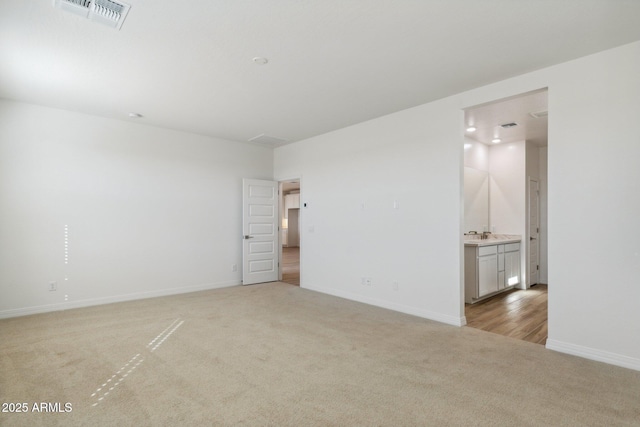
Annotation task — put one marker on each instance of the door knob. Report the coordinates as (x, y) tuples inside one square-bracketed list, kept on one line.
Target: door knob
[(247, 237)]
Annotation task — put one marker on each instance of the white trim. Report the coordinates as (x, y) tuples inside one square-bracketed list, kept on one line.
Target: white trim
[(594, 354), (109, 300), (426, 314), (300, 224)]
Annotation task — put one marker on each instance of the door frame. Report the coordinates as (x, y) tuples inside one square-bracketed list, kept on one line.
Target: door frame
[(529, 237), (300, 220), (463, 126)]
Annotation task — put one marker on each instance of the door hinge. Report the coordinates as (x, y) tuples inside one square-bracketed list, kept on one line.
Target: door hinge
[(537, 267), (537, 229)]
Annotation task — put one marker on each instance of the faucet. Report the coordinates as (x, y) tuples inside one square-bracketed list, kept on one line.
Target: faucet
[(485, 235)]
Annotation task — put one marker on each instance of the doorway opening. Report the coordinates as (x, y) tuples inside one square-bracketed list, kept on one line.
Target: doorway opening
[(505, 216), (290, 232)]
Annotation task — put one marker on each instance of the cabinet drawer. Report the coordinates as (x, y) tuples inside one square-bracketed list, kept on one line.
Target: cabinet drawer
[(487, 250), (510, 247)]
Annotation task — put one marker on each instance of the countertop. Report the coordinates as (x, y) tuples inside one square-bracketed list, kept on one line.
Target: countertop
[(492, 239)]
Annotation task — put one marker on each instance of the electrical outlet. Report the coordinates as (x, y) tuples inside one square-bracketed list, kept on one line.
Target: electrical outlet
[(395, 286), (53, 286), (234, 267)]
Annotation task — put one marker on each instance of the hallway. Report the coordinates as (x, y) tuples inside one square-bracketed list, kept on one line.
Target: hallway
[(291, 265)]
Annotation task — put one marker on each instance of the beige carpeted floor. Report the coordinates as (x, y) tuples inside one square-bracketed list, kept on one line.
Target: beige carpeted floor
[(277, 355)]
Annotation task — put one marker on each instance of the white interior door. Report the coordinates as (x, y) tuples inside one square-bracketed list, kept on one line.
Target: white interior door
[(534, 231), (260, 231)]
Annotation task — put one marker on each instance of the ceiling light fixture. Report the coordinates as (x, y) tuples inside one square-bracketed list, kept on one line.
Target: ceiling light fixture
[(260, 60), (496, 140), (471, 129)]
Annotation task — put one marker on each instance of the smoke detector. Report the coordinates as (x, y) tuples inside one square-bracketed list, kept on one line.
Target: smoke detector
[(107, 12)]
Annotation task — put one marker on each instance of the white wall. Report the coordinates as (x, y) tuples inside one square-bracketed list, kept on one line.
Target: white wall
[(594, 206), (476, 155), (532, 161), (415, 156), (508, 194), (544, 228), (350, 180), (476, 186), (149, 211)]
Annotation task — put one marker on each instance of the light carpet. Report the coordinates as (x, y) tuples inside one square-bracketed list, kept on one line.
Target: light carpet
[(278, 355)]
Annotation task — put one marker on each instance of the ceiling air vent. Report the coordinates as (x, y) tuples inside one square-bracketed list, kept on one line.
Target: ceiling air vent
[(509, 125), (268, 140), (107, 12)]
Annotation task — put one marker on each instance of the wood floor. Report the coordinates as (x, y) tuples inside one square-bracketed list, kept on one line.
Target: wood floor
[(291, 265), (520, 314)]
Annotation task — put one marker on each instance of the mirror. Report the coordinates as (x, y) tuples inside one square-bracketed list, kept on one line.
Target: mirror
[(476, 200)]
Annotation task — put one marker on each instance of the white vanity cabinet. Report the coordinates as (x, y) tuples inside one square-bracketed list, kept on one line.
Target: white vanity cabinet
[(487, 259), (489, 269), (511, 264)]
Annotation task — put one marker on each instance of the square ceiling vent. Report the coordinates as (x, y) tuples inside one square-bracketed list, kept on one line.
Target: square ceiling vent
[(268, 140), (106, 12)]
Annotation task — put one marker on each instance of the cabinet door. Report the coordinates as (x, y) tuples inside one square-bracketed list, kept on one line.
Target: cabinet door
[(512, 268), (487, 274)]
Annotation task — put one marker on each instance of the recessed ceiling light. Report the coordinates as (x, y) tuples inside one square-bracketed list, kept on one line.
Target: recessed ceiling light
[(471, 129), (135, 115), (260, 60), (496, 140)]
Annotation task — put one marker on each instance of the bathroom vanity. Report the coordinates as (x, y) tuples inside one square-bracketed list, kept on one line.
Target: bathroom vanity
[(491, 266)]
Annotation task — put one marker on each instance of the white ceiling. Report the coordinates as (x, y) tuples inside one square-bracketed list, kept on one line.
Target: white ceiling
[(487, 119), (332, 63)]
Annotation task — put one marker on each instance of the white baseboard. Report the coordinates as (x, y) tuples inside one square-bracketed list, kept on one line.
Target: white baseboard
[(594, 354), (5, 314), (431, 315)]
